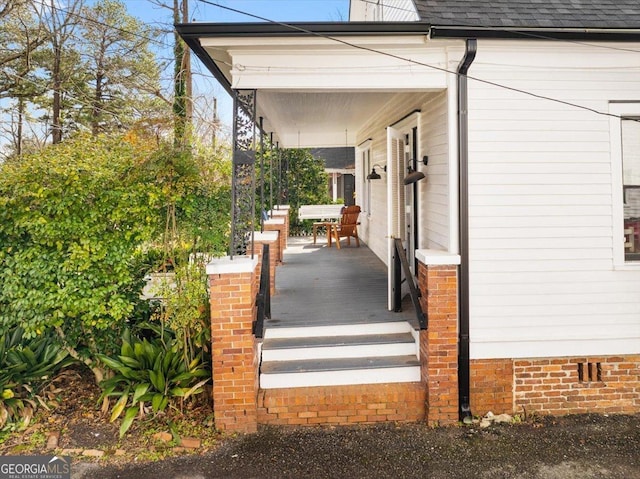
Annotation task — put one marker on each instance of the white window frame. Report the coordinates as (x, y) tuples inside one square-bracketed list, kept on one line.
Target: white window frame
[(364, 151), (615, 126)]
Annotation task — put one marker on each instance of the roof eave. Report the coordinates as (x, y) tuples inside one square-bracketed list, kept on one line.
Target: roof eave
[(296, 29), (531, 33), (191, 33)]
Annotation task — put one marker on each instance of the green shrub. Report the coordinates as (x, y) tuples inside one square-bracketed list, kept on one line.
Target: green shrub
[(26, 365), (72, 220), (150, 372)]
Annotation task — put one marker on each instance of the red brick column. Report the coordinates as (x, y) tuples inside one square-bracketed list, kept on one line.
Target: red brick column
[(282, 213), (234, 348), (438, 283), (270, 238), (278, 224)]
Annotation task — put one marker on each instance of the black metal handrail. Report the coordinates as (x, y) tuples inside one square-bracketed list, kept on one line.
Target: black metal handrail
[(400, 261), (263, 298)]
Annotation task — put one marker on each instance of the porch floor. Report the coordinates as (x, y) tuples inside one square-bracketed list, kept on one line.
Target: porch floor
[(322, 286)]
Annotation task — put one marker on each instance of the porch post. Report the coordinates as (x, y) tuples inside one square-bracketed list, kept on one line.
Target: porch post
[(243, 191), (438, 283), (233, 289)]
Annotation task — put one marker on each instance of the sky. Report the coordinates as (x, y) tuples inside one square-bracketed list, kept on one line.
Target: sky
[(206, 11), (280, 10)]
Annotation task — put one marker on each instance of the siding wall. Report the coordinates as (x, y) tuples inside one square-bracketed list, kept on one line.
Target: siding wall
[(374, 224), (387, 11), (542, 203), (434, 196)]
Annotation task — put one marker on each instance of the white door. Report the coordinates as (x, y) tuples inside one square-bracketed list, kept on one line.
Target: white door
[(396, 215)]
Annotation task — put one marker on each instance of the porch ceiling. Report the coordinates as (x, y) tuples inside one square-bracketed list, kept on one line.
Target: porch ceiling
[(314, 87), (319, 119)]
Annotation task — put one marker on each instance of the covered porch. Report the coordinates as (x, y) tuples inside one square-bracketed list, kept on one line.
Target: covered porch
[(303, 88)]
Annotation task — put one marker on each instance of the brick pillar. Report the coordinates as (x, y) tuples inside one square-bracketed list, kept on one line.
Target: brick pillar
[(284, 213), (233, 290), (278, 224), (270, 238), (438, 283)]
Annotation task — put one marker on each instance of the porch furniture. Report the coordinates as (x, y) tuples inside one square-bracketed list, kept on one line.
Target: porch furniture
[(322, 213), (321, 224), (346, 228)]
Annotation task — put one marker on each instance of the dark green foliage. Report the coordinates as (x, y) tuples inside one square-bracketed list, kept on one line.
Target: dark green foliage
[(303, 181), (150, 372), (72, 220), (26, 365)]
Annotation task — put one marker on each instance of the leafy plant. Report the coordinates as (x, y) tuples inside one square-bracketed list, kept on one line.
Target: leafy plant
[(185, 309), (72, 220), (150, 375), (26, 364), (303, 181)]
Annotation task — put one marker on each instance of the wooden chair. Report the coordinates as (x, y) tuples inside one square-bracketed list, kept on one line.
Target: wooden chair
[(347, 227)]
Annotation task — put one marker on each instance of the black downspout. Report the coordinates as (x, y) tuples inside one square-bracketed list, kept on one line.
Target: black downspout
[(463, 217)]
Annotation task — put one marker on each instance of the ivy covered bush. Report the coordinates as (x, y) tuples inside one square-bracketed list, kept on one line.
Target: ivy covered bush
[(72, 219), (80, 223)]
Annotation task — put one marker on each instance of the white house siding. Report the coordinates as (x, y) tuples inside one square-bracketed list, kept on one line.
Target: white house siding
[(374, 225), (434, 193), (382, 11), (542, 203)]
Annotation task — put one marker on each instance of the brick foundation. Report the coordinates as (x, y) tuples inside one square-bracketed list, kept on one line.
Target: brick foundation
[(234, 348), (491, 386), (342, 405), (556, 386)]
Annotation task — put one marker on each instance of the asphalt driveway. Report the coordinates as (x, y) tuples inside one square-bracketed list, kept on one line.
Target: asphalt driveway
[(572, 447)]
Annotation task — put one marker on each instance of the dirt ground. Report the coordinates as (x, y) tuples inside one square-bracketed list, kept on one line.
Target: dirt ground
[(571, 447)]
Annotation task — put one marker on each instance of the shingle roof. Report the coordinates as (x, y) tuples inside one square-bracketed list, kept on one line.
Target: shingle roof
[(596, 14)]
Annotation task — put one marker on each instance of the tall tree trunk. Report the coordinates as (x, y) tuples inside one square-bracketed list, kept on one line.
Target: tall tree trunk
[(97, 102), (182, 108), (56, 123), (21, 108)]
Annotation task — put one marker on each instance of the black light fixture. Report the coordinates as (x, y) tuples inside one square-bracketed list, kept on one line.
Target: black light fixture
[(413, 175), (374, 175)]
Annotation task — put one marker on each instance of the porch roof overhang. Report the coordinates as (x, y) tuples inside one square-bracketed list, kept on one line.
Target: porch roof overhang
[(319, 83), (194, 33)]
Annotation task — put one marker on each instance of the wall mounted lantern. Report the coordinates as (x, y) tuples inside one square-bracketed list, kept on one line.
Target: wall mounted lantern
[(413, 175), (374, 175)]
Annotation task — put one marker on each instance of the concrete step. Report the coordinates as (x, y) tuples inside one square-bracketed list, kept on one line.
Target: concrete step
[(275, 329), (327, 347), (339, 371)]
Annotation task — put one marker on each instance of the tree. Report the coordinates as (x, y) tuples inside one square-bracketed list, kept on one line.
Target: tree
[(59, 24), (122, 71), (302, 181), (21, 36), (182, 106)]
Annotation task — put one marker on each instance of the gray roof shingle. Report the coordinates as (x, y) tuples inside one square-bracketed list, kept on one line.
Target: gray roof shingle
[(595, 14)]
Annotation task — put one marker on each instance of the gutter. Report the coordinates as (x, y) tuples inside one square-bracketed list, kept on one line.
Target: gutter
[(297, 29), (529, 33), (464, 388)]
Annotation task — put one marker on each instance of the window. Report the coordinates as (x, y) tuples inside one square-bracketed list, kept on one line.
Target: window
[(630, 136)]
